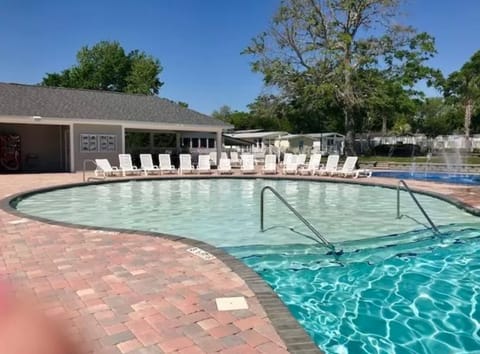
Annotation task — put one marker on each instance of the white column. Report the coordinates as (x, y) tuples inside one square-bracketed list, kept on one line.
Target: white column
[(72, 150), (122, 151), (219, 146)]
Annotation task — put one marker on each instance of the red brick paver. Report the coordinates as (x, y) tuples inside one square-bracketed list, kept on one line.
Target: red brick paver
[(128, 293), (123, 293)]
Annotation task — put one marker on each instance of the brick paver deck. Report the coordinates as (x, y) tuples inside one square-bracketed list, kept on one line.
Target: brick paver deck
[(130, 293)]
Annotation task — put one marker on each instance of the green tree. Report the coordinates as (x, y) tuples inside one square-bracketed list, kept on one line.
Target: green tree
[(401, 127), (241, 120), (328, 43), (387, 101), (435, 116), (143, 74), (223, 113), (463, 86), (264, 113), (268, 113), (106, 66)]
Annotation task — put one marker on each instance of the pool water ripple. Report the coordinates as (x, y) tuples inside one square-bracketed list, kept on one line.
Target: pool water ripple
[(427, 303)]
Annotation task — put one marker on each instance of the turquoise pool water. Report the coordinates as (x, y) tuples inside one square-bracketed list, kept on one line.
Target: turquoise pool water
[(225, 212), (396, 288), (456, 178), (421, 297)]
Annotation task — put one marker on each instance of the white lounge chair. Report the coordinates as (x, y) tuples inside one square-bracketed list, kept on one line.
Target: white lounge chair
[(289, 160), (204, 164), (313, 165), (146, 162), (348, 168), (105, 169), (224, 167), (165, 164), (291, 166), (301, 158), (186, 164), (330, 166), (248, 166), (213, 158), (223, 155), (270, 166), (234, 160), (126, 165)]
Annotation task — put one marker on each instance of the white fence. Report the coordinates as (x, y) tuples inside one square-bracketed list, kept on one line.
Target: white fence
[(458, 142)]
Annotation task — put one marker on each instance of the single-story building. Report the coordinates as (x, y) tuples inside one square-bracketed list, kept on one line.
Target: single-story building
[(50, 129), (258, 138), (325, 143)]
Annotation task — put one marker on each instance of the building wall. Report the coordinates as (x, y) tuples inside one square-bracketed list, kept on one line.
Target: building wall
[(301, 144), (79, 156), (293, 144), (42, 147)]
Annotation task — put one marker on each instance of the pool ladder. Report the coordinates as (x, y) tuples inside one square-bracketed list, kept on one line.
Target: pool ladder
[(89, 179), (319, 237), (399, 215)]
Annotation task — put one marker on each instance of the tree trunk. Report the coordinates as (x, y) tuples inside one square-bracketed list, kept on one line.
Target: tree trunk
[(349, 104), (468, 117), (350, 129), (384, 125)]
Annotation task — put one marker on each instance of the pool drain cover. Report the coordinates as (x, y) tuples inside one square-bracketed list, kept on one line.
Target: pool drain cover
[(231, 303), (201, 253), (18, 221)]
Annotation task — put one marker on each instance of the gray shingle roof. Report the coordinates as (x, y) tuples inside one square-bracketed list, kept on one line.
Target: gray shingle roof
[(55, 102)]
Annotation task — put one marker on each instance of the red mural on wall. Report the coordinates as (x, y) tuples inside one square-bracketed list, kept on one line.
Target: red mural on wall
[(10, 152)]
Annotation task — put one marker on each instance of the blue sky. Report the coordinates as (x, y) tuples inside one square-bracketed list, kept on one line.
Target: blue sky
[(197, 41)]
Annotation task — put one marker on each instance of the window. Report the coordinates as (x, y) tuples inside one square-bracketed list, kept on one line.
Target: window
[(164, 140), (186, 142), (194, 143), (211, 143), (136, 140), (203, 142)]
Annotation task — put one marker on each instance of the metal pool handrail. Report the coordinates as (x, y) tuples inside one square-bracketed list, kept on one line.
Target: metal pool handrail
[(320, 239), (407, 188), (85, 162)]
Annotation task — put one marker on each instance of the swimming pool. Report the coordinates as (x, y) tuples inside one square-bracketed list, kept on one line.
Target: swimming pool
[(388, 290), (457, 178)]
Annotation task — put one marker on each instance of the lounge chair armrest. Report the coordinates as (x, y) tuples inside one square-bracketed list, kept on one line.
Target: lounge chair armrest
[(134, 168)]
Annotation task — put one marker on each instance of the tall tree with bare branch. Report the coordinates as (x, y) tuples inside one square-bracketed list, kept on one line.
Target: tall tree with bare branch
[(329, 43)]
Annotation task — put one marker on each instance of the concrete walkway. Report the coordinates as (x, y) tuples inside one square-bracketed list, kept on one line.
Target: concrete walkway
[(131, 293)]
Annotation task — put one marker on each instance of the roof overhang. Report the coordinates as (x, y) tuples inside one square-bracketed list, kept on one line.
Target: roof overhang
[(125, 124)]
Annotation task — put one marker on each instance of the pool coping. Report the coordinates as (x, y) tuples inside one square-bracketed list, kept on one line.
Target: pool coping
[(288, 328)]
